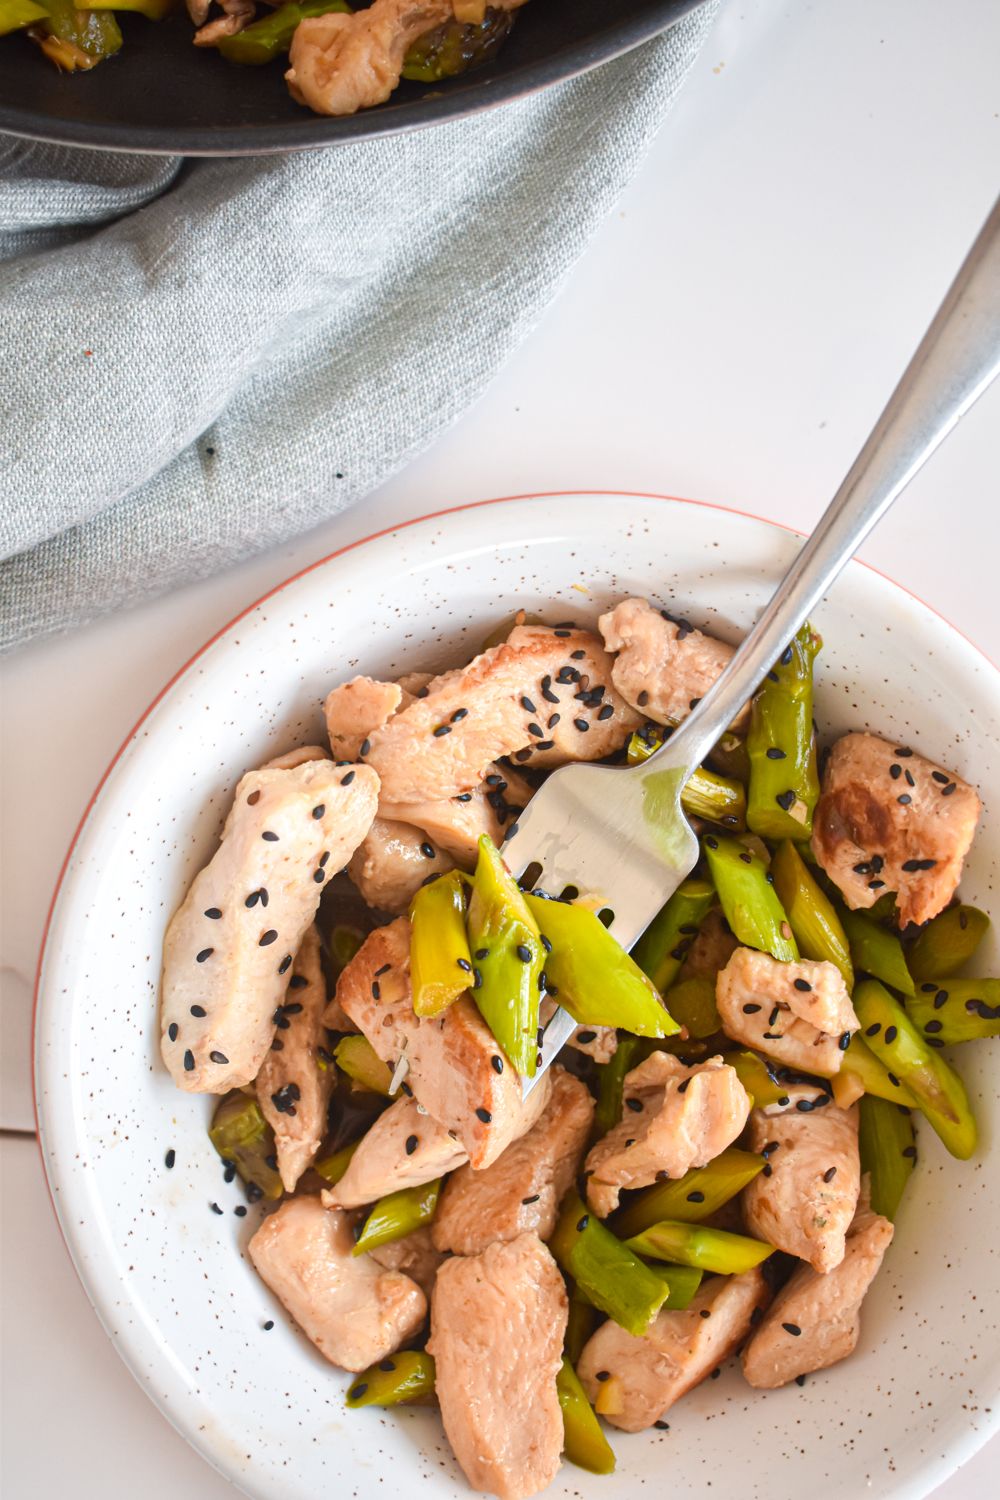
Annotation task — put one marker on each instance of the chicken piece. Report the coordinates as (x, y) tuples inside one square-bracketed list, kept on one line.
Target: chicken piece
[(297, 757), (497, 1327), (452, 1057), (889, 820), (805, 1204), (237, 14), (337, 70), (503, 703), (523, 1188), (664, 666), (294, 1083), (675, 1353), (455, 824), (815, 1319), (414, 1255), (230, 944), (355, 709), (598, 1042), (799, 1013), (710, 950), (404, 1148), (413, 684), (674, 1118), (354, 1310), (393, 862)]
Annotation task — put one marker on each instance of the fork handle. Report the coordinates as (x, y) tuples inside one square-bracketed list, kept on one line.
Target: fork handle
[(958, 357)]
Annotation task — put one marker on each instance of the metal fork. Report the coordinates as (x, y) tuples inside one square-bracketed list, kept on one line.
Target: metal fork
[(620, 835)]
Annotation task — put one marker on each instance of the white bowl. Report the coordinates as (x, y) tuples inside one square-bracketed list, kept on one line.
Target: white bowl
[(166, 1274)]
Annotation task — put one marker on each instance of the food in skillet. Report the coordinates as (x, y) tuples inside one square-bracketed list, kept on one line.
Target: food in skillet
[(715, 1162), (343, 57)]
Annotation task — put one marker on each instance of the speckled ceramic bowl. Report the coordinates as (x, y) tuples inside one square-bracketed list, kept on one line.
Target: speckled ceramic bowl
[(168, 1276)]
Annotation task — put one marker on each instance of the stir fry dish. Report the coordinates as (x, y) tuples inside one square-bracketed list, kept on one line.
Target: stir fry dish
[(713, 1166), (339, 58)]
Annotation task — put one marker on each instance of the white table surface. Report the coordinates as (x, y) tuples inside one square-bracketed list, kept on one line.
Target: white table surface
[(731, 334)]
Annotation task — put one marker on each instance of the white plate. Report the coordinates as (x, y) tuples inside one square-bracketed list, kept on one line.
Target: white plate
[(166, 1274)]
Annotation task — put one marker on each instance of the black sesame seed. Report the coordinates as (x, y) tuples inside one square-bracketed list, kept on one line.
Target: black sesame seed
[(746, 857), (170, 1158), (712, 843), (442, 729), (427, 850), (845, 1041), (523, 952), (873, 1029), (635, 1105), (751, 1009), (267, 938), (484, 1115), (376, 990), (477, 978), (891, 1034), (460, 713), (463, 963), (497, 1063), (912, 865), (902, 752), (785, 800), (895, 772), (411, 1144), (230, 1172), (481, 953), (603, 1375), (205, 953), (940, 999), (642, 699), (533, 1199), (189, 1061), (561, 633), (172, 1031), (800, 1380), (792, 1328), (365, 747), (909, 778), (286, 964), (269, 837), (803, 985), (582, 1223), (219, 1057), (893, 1079), (344, 781), (768, 1169), (773, 753), (804, 1106), (586, 1037), (696, 1197), (904, 800), (215, 1208), (682, 1086), (357, 1391), (875, 885), (240, 1211), (663, 1426), (934, 1041), (706, 1312), (910, 1151), (269, 1325), (213, 913), (776, 1012), (829, 1174), (252, 899), (528, 706), (581, 725), (715, 1373)]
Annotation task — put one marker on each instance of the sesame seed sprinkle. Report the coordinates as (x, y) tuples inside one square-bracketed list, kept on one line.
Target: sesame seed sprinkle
[(213, 913), (172, 1031), (411, 1144), (199, 1011), (792, 1328), (484, 1115), (269, 836)]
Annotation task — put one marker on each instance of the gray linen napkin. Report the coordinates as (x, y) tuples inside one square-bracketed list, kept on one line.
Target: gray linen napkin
[(204, 358)]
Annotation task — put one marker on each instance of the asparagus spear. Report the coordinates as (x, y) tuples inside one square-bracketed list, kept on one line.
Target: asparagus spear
[(358, 1059), (661, 949), (242, 1136), (615, 1280), (398, 1214), (875, 1078), (332, 1168), (272, 36), (582, 1321), (695, 1196), (76, 40), (694, 1245), (749, 901), (593, 976), (153, 10), (939, 1091), (584, 1443), (440, 961), (959, 1010), (876, 951), (508, 959), (454, 47), (611, 1077), (692, 1005), (812, 916), (947, 942), (717, 799), (758, 1079), (784, 783), (887, 1152), (403, 1378)]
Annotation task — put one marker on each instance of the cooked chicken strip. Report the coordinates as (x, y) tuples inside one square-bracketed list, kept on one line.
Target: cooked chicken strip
[(497, 1326), (455, 824), (414, 1255), (230, 945), (294, 1083), (889, 820), (591, 720), (523, 1188), (392, 863), (403, 1148), (237, 15), (504, 701), (710, 950), (799, 1013), (678, 1350), (452, 1057), (354, 1310), (815, 1320), (337, 70), (674, 1117), (355, 709), (296, 757), (664, 666), (806, 1203)]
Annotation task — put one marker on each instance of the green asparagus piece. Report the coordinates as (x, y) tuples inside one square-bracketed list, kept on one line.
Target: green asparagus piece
[(153, 10), (812, 916), (440, 961), (756, 1078), (584, 1443), (615, 1280), (939, 1091), (581, 1323), (749, 902), (694, 1245), (611, 1076), (960, 1010), (728, 755), (272, 36), (717, 799), (860, 1062), (695, 1196), (888, 1153), (592, 975), (398, 1214), (242, 1136), (332, 1168), (455, 46), (684, 1282), (876, 951), (76, 40), (17, 13), (947, 943), (358, 1059), (406, 1378), (662, 948), (692, 1005), (344, 941), (784, 782), (509, 957)]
